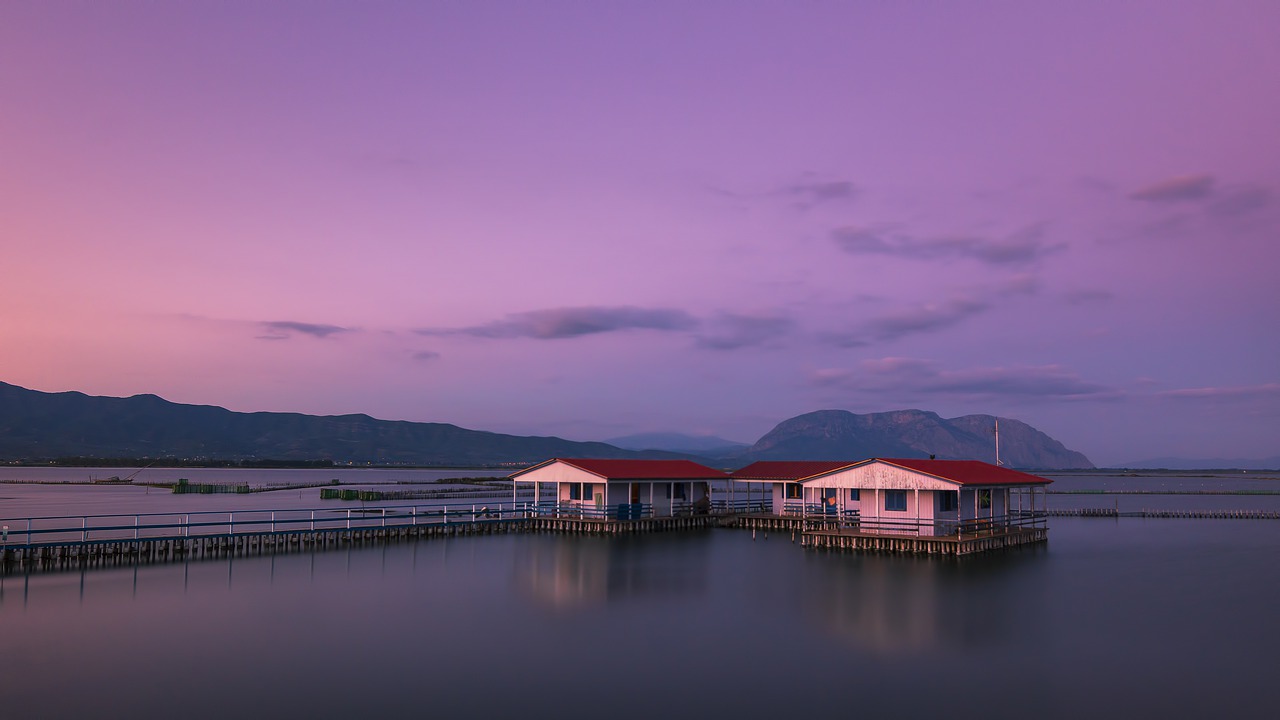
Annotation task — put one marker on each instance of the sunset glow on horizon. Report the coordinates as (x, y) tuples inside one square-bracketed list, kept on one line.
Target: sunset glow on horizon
[(589, 220)]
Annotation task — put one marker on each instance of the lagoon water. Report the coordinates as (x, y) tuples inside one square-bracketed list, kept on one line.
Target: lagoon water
[(1144, 618)]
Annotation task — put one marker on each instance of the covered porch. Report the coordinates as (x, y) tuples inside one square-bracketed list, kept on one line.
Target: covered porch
[(904, 498), (617, 490)]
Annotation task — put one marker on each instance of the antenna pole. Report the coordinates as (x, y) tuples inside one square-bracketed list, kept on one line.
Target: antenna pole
[(998, 442)]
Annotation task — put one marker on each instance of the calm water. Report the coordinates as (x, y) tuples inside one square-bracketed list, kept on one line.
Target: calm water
[(1146, 618)]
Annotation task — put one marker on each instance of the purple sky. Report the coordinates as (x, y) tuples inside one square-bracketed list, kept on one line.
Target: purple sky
[(592, 219)]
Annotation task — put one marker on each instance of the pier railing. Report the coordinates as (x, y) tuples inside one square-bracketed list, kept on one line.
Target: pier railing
[(943, 527), (738, 507), (580, 511), (30, 531)]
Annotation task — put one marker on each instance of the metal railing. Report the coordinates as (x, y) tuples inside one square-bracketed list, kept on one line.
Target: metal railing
[(742, 506), (945, 527), (591, 511), (23, 532)]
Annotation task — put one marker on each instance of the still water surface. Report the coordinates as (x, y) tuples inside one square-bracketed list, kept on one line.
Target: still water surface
[(1129, 617)]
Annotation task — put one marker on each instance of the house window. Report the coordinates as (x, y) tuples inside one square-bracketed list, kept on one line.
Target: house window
[(947, 501), (575, 491), (984, 499), (678, 491), (794, 491), (895, 500), (853, 495)]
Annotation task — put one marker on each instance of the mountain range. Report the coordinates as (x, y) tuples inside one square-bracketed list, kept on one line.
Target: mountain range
[(39, 426)]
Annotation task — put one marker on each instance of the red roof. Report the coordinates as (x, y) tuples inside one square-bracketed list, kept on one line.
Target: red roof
[(638, 469), (961, 472), (967, 472), (789, 470)]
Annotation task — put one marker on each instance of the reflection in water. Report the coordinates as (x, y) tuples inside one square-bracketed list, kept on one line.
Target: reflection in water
[(679, 624), (909, 605), (568, 571)]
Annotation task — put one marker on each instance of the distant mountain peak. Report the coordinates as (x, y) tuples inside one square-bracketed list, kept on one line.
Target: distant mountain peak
[(675, 442), (912, 433)]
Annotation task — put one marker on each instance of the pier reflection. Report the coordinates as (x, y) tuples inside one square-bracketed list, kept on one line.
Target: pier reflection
[(912, 606), (575, 571)]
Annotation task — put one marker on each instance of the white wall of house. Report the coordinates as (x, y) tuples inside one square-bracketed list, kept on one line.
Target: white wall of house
[(878, 475), (587, 494), (557, 472), (998, 503)]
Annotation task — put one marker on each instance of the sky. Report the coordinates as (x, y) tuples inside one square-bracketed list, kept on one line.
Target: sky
[(595, 219)]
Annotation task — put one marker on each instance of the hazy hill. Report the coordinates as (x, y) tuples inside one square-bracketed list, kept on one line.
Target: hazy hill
[(37, 425), (42, 426), (677, 442), (1172, 463), (842, 435)]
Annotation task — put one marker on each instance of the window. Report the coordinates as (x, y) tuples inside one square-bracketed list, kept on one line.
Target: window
[(678, 491), (895, 500), (947, 501), (794, 491), (575, 491), (984, 499), (853, 495)]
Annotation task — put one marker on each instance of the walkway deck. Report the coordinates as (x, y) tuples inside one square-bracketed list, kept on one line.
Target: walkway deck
[(848, 539), (35, 544)]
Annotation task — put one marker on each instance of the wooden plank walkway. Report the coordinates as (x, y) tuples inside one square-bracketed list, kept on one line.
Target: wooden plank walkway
[(63, 555), (71, 546), (848, 539), (1168, 514)]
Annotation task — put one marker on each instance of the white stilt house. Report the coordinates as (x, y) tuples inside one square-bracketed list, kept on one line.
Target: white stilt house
[(618, 489), (916, 497)]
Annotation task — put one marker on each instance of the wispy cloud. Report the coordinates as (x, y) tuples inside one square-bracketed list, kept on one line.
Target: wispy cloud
[(1176, 189), (1224, 392), (899, 375), (1241, 200), (571, 322), (1087, 297), (426, 356), (731, 331), (1024, 246), (285, 329), (922, 318), (810, 193)]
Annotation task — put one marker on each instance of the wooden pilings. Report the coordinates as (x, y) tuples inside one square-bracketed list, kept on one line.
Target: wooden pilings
[(106, 553), (619, 527), (1170, 514), (950, 545)]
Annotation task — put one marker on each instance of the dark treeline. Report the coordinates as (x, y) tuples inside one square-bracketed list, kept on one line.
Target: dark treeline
[(176, 463)]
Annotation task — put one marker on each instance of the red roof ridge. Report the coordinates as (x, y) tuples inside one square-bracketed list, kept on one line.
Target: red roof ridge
[(636, 468), (962, 472)]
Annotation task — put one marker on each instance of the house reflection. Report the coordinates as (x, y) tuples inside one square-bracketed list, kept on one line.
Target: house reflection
[(912, 606), (576, 572)]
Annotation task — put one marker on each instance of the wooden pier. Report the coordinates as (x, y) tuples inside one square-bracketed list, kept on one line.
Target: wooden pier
[(110, 553), (34, 544), (39, 544), (599, 526), (954, 545), (1168, 514)]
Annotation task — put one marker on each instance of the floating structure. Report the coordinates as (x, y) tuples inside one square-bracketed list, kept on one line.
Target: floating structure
[(948, 507), (937, 507), (617, 490)]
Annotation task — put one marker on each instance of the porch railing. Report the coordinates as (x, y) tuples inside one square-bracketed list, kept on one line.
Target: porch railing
[(944, 527), (30, 531), (580, 511)]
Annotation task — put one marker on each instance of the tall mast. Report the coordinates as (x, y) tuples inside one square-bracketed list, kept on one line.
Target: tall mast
[(998, 442)]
